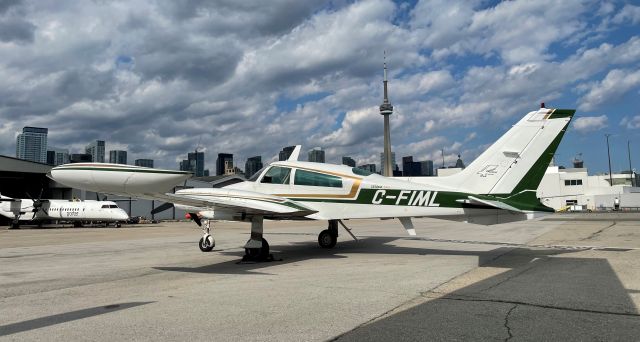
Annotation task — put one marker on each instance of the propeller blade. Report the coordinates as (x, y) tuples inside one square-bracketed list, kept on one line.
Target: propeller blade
[(162, 208)]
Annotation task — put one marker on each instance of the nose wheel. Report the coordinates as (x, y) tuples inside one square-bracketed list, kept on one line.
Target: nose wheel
[(207, 242)]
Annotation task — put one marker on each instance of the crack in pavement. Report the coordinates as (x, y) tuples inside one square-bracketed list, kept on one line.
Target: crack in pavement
[(515, 302), (506, 323), (599, 231)]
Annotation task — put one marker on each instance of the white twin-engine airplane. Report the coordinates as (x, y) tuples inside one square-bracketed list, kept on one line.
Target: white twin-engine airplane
[(499, 186), (21, 209)]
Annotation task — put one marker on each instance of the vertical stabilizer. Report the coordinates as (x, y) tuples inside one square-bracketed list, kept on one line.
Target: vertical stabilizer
[(519, 159)]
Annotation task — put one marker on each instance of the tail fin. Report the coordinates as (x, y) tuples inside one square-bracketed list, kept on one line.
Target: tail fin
[(518, 160)]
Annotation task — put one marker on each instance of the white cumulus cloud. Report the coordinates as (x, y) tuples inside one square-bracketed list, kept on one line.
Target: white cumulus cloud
[(590, 123)]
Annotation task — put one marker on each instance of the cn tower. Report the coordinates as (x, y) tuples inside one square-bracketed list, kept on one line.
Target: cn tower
[(386, 109)]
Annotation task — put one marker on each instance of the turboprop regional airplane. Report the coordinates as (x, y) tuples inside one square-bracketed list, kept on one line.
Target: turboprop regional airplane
[(63, 210), (499, 186)]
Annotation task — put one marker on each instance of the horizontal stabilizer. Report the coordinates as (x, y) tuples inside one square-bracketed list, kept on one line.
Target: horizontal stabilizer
[(495, 204)]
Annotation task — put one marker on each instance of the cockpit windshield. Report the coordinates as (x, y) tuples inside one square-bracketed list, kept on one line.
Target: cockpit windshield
[(277, 175), (255, 176)]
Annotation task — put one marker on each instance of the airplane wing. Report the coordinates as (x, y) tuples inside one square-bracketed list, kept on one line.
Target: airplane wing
[(239, 201), (156, 184)]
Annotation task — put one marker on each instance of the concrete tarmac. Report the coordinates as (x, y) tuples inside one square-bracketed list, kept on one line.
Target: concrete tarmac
[(568, 277)]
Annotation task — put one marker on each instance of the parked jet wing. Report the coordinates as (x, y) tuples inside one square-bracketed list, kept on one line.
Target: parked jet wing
[(241, 201)]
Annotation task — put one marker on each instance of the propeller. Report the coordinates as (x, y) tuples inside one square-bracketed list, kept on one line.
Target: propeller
[(38, 203)]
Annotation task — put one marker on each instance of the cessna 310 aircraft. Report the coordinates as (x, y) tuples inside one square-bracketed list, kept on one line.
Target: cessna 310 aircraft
[(499, 186), (21, 209)]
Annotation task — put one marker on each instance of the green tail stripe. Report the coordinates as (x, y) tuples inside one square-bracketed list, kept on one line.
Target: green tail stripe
[(532, 179)]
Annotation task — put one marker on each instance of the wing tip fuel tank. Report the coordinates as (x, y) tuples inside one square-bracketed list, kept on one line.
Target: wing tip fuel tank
[(117, 179)]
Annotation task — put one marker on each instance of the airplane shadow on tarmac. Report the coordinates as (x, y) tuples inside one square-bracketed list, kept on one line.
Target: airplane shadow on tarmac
[(542, 297), (308, 250)]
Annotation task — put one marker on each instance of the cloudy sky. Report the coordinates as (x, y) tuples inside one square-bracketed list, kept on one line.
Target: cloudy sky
[(159, 78)]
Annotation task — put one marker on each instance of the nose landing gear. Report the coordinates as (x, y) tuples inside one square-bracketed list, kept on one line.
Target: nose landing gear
[(207, 242)]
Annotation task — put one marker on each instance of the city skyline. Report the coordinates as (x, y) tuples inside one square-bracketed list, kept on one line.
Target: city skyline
[(175, 81), (224, 163)]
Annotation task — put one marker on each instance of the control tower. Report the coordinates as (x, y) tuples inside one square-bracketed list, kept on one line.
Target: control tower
[(386, 109)]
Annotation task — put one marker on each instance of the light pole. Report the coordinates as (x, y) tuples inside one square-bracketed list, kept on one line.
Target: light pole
[(609, 157), (630, 169)]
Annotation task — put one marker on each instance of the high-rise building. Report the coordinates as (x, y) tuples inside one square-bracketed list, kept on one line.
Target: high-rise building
[(144, 162), (194, 163), (197, 163), (31, 144), (253, 165), (80, 158), (348, 161), (285, 153), (57, 156), (96, 150), (412, 168), (185, 165), (427, 168), (316, 155), (117, 157), (224, 161), (394, 165), (369, 167)]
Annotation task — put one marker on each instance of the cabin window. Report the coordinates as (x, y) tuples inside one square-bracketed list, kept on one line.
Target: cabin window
[(317, 179), (277, 175)]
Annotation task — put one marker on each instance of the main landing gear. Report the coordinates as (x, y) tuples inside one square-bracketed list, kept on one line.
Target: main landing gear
[(257, 248), (329, 237)]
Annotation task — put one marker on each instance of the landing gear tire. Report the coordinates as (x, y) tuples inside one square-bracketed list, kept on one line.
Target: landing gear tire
[(15, 225), (257, 254), (117, 225), (326, 239), (207, 243)]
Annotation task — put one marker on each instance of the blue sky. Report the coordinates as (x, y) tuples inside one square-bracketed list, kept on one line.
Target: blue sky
[(158, 78)]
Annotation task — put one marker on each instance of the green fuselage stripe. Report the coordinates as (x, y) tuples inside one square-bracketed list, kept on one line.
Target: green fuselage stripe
[(125, 170)]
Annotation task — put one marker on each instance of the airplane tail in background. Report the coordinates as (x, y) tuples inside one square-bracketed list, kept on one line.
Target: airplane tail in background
[(515, 164)]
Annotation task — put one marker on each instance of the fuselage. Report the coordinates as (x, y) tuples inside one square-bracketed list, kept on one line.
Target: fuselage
[(65, 210), (342, 192)]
